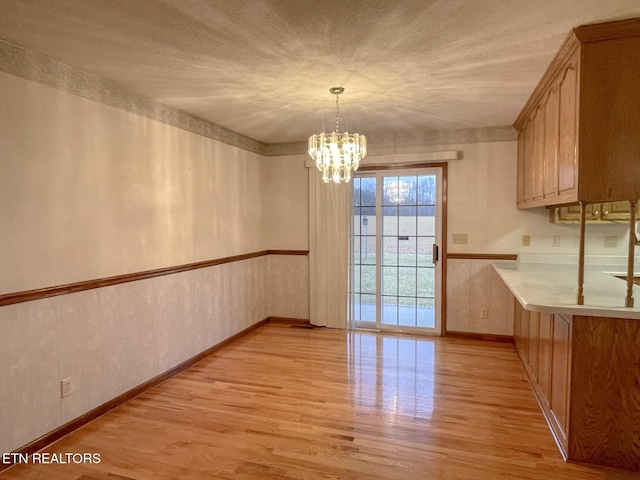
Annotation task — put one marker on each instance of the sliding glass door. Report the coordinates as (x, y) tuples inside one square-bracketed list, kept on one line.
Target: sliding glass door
[(395, 267)]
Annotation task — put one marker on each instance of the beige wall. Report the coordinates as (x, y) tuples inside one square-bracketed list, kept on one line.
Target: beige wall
[(90, 191), (286, 202)]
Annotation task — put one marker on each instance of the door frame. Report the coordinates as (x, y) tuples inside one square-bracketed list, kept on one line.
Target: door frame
[(443, 166)]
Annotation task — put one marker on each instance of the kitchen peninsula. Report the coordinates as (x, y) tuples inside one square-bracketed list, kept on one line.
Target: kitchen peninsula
[(583, 361)]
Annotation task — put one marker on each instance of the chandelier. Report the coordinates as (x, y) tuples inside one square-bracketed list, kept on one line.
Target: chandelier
[(337, 155)]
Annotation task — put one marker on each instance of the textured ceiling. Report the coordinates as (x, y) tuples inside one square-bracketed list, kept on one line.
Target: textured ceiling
[(263, 68)]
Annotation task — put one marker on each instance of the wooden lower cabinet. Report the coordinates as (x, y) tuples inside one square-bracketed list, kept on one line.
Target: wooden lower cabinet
[(585, 372), (544, 354), (560, 376)]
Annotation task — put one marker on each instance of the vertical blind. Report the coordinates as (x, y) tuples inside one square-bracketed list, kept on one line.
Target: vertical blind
[(329, 228)]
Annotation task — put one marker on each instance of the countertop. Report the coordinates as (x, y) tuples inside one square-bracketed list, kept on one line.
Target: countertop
[(550, 285)]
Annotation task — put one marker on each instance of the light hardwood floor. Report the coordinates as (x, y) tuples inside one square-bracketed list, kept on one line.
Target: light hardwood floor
[(286, 402)]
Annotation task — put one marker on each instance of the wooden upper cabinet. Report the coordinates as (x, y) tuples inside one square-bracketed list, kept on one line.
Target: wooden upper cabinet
[(567, 164), (538, 153), (521, 175), (578, 133), (550, 159)]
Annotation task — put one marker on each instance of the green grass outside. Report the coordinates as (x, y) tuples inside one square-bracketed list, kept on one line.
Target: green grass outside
[(400, 279)]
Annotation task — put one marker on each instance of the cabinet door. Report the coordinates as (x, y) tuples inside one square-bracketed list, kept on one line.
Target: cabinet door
[(527, 162), (521, 331), (618, 211), (551, 128), (521, 173), (560, 371), (533, 344), (571, 213), (524, 340), (544, 355), (567, 137), (538, 154)]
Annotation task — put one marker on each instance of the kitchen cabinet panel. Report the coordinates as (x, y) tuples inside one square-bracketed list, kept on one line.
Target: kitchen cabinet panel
[(567, 164), (534, 343), (579, 127), (550, 158), (560, 358), (544, 355)]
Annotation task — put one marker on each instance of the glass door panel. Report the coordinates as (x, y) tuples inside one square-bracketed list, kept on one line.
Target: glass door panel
[(396, 225)]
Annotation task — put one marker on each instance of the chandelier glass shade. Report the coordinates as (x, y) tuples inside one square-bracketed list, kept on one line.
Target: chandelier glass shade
[(337, 155)]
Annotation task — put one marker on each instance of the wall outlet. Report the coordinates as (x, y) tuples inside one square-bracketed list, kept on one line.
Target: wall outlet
[(610, 241), (526, 240), (459, 238), (65, 387), (484, 313), (555, 241)]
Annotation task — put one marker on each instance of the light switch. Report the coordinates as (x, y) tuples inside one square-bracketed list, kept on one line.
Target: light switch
[(459, 238)]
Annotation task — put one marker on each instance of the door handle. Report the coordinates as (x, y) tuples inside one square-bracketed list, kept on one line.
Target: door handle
[(434, 253)]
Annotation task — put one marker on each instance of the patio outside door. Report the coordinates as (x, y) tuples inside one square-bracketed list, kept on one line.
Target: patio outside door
[(395, 265)]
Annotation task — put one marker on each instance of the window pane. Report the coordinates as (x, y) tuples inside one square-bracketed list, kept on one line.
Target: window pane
[(368, 247), (407, 251), (407, 313), (389, 280), (368, 308), (390, 250), (426, 282), (407, 221), (356, 278), (389, 311), (390, 191), (426, 225), (356, 307), (407, 281), (426, 190), (390, 221), (368, 279), (408, 190), (368, 192), (356, 249), (425, 251)]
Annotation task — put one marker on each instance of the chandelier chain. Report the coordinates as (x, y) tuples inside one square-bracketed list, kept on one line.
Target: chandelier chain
[(337, 112)]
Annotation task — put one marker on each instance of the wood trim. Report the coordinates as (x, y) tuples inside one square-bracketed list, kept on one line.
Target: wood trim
[(120, 400), (391, 161), (608, 30), (443, 249), (30, 295), (287, 252), (486, 337), (482, 256), (400, 166), (289, 320)]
